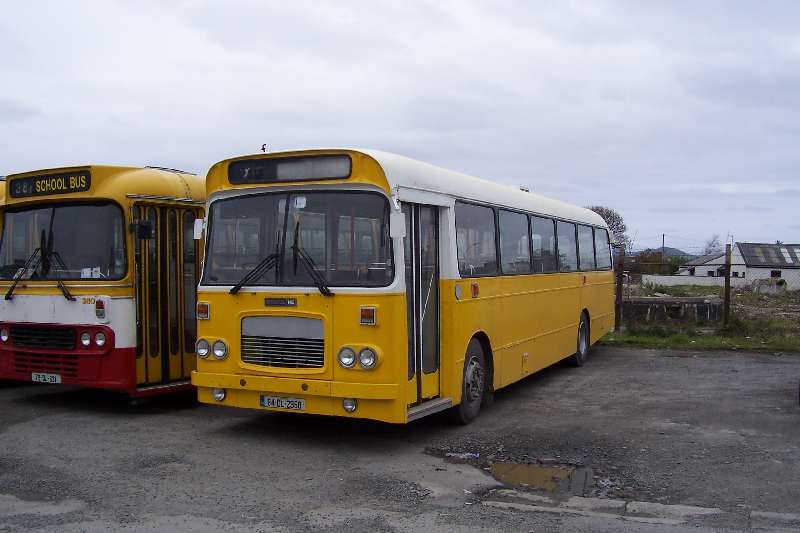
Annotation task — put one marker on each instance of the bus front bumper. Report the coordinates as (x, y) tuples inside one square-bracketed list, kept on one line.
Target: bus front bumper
[(375, 401)]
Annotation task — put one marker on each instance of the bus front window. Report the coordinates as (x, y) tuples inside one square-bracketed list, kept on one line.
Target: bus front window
[(66, 241), (344, 234)]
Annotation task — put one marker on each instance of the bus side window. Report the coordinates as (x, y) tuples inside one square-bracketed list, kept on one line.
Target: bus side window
[(567, 250), (515, 254), (543, 240), (586, 248), (476, 240), (602, 249)]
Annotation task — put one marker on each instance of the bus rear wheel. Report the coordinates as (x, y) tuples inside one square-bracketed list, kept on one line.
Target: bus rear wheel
[(473, 386), (583, 344)]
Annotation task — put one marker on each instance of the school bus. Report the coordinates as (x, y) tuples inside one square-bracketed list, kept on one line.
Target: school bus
[(98, 271), (359, 283)]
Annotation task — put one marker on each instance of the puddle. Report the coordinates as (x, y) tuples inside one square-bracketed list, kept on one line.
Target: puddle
[(553, 479)]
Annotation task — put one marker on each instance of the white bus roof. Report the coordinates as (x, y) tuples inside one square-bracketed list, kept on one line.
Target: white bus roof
[(409, 173)]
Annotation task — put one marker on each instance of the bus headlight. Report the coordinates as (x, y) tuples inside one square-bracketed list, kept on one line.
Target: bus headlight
[(202, 348), (349, 404), (367, 358), (347, 357), (100, 338), (218, 394), (220, 350), (86, 338), (4, 334)]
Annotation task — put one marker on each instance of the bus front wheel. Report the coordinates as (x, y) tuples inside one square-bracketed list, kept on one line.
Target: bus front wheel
[(473, 386), (583, 344)]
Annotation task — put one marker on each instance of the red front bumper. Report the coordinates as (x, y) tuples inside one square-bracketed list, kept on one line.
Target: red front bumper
[(105, 367)]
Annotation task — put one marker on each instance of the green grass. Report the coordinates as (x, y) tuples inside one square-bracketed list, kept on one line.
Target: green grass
[(701, 342), (753, 334)]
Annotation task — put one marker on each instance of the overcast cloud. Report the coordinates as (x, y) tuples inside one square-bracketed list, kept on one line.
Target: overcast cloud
[(684, 116)]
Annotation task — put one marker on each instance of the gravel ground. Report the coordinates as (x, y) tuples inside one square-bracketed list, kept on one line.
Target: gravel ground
[(704, 429)]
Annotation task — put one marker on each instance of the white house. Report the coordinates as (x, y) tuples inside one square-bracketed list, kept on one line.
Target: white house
[(750, 261)]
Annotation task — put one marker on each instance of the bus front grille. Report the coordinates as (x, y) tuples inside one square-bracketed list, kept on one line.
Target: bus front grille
[(283, 352), (43, 337), (66, 365)]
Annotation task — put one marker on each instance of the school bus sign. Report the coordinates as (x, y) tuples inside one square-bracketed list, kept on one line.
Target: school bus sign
[(62, 183)]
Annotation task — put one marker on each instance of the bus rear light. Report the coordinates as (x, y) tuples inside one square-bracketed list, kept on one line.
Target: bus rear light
[(203, 311), (369, 316), (100, 309), (476, 291)]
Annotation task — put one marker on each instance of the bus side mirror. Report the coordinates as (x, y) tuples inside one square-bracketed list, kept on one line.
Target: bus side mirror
[(199, 223), (143, 229), (397, 225)]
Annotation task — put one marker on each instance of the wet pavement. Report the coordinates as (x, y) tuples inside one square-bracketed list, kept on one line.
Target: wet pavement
[(637, 440)]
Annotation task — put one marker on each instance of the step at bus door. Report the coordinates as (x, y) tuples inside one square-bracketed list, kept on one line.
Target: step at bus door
[(422, 298)]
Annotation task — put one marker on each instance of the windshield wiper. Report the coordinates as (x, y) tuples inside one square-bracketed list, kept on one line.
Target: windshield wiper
[(308, 263), (33, 261), (61, 267), (259, 270)]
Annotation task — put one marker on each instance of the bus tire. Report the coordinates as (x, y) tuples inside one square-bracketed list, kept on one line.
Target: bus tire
[(583, 343), (473, 384)]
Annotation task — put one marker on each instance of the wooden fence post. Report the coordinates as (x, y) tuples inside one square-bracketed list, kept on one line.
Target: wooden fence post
[(618, 301)]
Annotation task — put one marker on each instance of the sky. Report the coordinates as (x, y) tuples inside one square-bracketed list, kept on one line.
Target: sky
[(682, 116)]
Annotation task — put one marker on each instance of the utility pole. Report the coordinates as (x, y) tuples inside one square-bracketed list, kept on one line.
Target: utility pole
[(663, 238), (620, 264), (726, 303)]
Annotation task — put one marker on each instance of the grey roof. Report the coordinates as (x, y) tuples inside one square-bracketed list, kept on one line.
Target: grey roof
[(770, 255), (703, 259)]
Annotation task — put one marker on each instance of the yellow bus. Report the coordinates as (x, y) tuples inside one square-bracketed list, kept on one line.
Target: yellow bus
[(364, 284), (98, 271), (2, 200)]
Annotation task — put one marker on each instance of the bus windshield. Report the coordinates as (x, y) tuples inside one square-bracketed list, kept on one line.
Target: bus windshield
[(64, 241), (344, 234)]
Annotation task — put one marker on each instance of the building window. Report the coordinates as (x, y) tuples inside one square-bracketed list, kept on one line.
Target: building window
[(775, 274), (710, 273), (735, 274), (691, 271)]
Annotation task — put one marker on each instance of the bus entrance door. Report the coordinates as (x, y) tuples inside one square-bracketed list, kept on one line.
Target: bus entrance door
[(422, 298), (160, 324)]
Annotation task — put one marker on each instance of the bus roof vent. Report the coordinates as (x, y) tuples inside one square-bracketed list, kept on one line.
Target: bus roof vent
[(167, 169)]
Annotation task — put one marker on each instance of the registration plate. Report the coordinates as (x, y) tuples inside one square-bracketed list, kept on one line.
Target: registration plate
[(280, 402), (40, 377)]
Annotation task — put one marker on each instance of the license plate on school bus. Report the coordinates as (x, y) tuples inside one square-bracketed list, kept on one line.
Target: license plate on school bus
[(280, 402), (40, 377)]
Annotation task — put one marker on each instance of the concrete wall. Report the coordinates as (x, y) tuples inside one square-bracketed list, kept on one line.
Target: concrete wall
[(790, 275), (707, 281), (671, 310)]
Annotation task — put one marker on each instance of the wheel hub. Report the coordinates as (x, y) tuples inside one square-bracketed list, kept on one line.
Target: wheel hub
[(474, 380)]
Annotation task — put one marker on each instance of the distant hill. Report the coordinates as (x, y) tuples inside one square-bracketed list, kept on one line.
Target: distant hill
[(669, 252)]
